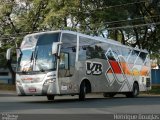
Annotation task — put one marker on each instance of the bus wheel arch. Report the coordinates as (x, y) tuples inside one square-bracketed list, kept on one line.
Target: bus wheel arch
[(85, 87)]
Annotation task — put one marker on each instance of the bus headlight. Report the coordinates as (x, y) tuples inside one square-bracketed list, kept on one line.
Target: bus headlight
[(48, 81)]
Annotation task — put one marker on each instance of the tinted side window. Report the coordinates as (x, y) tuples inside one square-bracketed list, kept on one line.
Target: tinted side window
[(69, 45), (143, 56), (125, 52), (147, 61), (90, 48), (95, 51), (110, 55), (133, 56)]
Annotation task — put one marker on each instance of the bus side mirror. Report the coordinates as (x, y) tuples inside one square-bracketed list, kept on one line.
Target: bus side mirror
[(19, 52), (55, 47), (8, 54)]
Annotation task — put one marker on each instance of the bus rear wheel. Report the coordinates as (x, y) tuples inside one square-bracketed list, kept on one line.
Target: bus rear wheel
[(135, 91), (50, 97), (82, 93)]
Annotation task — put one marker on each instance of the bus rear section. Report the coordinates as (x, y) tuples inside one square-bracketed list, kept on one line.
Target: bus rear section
[(112, 68)]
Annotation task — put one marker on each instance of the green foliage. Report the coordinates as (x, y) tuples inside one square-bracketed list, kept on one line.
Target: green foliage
[(88, 16)]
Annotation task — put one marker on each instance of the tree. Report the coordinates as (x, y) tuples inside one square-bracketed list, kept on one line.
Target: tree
[(131, 22)]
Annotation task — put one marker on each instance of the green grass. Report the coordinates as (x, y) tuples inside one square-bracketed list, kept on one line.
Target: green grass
[(154, 90), (7, 87)]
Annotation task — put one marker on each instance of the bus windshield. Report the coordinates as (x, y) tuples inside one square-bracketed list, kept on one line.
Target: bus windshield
[(25, 59), (44, 59), (36, 53)]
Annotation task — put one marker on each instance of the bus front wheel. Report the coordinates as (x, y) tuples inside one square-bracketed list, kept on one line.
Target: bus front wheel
[(50, 97), (82, 92)]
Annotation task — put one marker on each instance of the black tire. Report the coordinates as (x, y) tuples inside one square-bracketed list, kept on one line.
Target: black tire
[(50, 97), (135, 91), (82, 93), (105, 95), (109, 94)]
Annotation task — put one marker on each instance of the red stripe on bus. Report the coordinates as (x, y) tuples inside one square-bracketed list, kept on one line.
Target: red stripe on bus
[(115, 66)]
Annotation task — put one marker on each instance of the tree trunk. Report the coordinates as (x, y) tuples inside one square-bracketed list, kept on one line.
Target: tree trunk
[(65, 21), (123, 39), (116, 35), (137, 38)]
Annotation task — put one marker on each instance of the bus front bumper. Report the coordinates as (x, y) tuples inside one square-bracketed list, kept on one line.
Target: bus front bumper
[(36, 89)]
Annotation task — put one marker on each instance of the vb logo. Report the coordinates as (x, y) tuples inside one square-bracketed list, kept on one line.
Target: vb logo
[(93, 68)]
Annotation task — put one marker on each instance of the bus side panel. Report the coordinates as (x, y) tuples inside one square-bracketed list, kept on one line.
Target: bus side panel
[(96, 71), (104, 77)]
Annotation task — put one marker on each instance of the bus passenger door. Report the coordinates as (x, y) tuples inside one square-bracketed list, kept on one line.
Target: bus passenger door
[(66, 73)]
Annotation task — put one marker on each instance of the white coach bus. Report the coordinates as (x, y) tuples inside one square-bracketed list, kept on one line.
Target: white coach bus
[(70, 63)]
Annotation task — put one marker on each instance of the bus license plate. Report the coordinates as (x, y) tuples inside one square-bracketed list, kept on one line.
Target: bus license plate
[(32, 89)]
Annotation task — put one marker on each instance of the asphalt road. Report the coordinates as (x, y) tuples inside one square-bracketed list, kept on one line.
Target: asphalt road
[(94, 104)]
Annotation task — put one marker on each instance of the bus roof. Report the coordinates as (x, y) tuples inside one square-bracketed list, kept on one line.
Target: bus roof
[(101, 39)]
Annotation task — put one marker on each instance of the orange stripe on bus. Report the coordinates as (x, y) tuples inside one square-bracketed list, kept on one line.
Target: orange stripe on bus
[(127, 71), (144, 71), (125, 68)]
